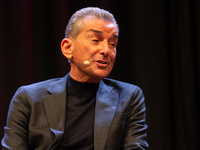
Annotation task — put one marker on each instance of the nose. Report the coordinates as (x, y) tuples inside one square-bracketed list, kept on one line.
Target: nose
[(105, 50)]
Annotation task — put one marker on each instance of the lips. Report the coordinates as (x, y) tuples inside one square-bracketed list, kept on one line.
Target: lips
[(102, 62)]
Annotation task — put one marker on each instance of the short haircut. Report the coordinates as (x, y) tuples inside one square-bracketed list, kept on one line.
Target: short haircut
[(74, 26)]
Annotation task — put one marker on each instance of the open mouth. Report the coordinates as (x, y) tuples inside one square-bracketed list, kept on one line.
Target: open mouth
[(102, 62)]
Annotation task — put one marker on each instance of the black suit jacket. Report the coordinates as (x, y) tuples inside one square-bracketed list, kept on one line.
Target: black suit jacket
[(36, 117)]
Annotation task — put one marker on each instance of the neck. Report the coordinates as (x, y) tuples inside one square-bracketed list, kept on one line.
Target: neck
[(85, 78)]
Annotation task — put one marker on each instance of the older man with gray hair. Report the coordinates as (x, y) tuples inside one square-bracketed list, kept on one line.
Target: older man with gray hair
[(83, 110)]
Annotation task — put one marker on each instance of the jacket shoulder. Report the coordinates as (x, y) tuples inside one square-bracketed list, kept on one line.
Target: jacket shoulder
[(120, 84), (36, 91), (124, 88), (40, 85)]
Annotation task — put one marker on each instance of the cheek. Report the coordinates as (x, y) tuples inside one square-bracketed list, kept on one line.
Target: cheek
[(81, 52), (113, 56)]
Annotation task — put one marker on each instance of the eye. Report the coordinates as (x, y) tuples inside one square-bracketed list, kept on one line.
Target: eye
[(95, 40), (113, 44)]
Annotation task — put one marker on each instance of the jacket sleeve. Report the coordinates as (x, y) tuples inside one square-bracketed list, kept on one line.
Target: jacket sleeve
[(135, 126), (16, 136)]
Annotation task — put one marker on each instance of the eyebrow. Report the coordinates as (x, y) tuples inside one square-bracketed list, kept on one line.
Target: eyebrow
[(95, 31), (100, 32)]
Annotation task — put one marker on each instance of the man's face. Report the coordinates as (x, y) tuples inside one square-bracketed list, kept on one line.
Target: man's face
[(96, 43)]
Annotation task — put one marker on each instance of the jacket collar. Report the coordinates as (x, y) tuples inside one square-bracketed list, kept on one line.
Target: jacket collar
[(55, 108), (106, 104), (105, 108)]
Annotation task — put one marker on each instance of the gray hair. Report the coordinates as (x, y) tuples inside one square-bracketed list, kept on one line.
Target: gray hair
[(74, 26)]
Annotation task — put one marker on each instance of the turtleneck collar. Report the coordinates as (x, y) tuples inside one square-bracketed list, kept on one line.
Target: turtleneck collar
[(81, 88)]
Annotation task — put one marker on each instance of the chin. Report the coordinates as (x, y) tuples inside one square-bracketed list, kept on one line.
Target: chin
[(101, 74)]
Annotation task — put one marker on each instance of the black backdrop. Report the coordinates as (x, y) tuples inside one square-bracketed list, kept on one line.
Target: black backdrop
[(158, 50)]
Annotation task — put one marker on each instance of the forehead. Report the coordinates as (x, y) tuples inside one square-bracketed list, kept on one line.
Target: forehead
[(91, 22)]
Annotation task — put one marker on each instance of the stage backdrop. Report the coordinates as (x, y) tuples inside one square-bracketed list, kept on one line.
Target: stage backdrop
[(158, 50)]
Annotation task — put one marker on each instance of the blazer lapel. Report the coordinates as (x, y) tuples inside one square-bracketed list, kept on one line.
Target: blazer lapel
[(106, 104), (105, 108), (55, 107)]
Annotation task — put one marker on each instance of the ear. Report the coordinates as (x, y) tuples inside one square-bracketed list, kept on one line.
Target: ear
[(66, 48)]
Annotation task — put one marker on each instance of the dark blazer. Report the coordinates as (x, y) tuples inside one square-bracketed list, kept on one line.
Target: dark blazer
[(36, 117)]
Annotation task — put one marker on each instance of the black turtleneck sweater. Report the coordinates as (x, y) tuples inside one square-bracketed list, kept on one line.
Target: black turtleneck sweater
[(80, 108)]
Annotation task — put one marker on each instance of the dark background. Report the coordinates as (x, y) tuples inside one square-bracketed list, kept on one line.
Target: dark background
[(158, 50)]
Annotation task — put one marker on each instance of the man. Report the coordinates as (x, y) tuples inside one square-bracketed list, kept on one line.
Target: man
[(83, 110)]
